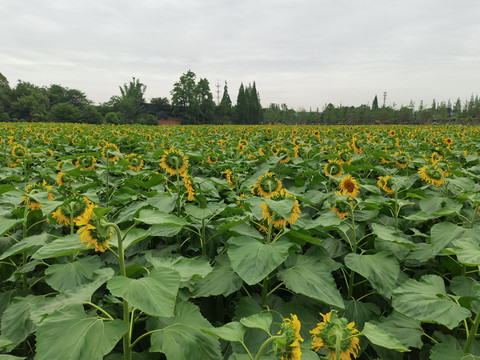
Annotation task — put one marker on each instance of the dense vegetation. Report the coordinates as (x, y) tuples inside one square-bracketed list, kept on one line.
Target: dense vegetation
[(239, 242), (192, 103)]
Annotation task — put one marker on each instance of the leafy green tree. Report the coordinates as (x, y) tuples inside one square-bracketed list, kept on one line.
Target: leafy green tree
[(160, 107), (184, 97), (130, 104), (206, 105), (5, 98), (225, 106), (375, 103), (254, 114), (90, 115), (241, 109), (64, 112), (58, 94), (29, 102)]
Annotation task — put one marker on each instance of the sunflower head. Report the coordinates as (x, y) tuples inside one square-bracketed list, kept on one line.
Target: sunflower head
[(349, 186), (333, 168), (135, 162), (288, 345), (336, 336), (342, 208), (386, 184), (36, 188), (173, 162), (19, 151), (267, 185), (231, 179), (108, 152), (401, 159), (86, 162), (432, 175), (94, 230), (212, 159), (75, 207), (280, 221)]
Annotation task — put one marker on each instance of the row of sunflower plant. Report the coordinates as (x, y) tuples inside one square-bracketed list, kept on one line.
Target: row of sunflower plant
[(239, 242)]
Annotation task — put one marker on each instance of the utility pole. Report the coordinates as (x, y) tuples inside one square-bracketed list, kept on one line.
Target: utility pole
[(218, 93), (384, 97)]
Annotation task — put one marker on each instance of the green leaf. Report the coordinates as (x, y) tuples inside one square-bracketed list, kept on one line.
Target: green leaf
[(282, 208), (155, 217), (390, 234), (71, 334), (380, 269), (261, 321), (16, 322), (301, 237), (6, 224), (381, 337), (427, 300), (165, 203), (221, 281), (360, 312), (10, 357), (133, 236), (25, 244), (243, 228), (253, 260), (60, 247), (448, 351), (406, 330), (76, 296), (308, 276), (62, 277), (442, 234), (186, 267), (154, 294), (203, 213), (232, 331), (467, 251), (181, 338), (328, 220)]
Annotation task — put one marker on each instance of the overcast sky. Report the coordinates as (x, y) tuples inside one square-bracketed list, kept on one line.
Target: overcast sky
[(304, 53)]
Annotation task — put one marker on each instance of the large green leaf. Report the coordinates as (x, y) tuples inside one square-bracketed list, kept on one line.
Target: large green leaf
[(6, 224), (379, 336), (60, 247), (71, 334), (390, 234), (78, 295), (283, 208), (68, 276), (154, 294), (156, 217), (309, 276), (442, 234), (16, 321), (254, 260), (380, 269), (406, 330), (221, 281), (232, 331), (467, 251), (181, 338), (427, 300), (360, 312), (25, 244), (449, 351), (258, 321), (186, 267)]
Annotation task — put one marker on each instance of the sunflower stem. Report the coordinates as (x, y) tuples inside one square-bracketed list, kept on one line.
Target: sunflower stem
[(126, 311), (473, 333), (474, 216), (265, 281), (266, 343), (354, 251), (24, 253)]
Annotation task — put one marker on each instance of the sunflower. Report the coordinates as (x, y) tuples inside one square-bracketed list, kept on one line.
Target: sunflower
[(36, 188), (344, 157), (135, 162), (266, 185), (86, 162), (401, 159), (107, 152), (280, 222), (92, 230), (231, 179), (349, 186), (174, 162), (288, 346), (283, 155), (336, 336), (64, 178), (342, 208), (333, 168), (386, 183), (76, 206), (432, 175), (188, 185), (212, 159), (19, 151)]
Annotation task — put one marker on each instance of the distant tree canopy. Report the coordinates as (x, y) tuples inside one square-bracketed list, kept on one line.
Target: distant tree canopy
[(192, 102)]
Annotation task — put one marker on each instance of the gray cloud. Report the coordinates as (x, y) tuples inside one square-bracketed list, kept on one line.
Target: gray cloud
[(304, 53)]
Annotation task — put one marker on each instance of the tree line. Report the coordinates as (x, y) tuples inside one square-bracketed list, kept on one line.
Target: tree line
[(192, 103)]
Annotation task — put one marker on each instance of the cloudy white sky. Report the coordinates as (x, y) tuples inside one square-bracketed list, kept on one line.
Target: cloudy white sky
[(304, 53)]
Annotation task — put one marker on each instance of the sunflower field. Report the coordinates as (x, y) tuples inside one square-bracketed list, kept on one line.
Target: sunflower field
[(239, 242)]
